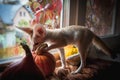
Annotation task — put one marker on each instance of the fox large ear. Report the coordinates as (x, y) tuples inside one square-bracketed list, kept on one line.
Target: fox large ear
[(26, 29), (40, 30)]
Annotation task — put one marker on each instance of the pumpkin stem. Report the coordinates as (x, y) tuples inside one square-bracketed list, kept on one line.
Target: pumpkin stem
[(26, 48), (41, 48)]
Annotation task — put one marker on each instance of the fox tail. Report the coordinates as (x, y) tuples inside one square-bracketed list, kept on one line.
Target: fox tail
[(103, 47)]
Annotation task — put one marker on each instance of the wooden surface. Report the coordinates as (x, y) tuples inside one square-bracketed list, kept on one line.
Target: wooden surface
[(96, 69)]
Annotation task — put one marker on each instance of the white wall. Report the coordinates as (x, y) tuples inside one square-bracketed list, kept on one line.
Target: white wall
[(18, 17)]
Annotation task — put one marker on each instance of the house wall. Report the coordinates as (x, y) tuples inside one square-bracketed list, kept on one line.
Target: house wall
[(22, 13)]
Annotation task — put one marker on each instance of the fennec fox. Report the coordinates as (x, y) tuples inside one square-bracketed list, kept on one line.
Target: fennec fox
[(80, 36)]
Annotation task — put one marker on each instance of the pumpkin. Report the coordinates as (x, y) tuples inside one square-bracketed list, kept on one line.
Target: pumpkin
[(71, 55), (24, 69), (44, 60), (70, 50)]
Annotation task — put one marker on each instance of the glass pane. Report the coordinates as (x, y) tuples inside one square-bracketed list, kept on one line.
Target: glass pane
[(10, 50), (47, 12), (99, 15), (41, 11)]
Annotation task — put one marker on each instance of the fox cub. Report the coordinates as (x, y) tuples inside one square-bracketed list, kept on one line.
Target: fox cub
[(80, 36)]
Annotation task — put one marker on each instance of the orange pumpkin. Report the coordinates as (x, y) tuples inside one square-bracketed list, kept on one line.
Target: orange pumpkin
[(45, 61)]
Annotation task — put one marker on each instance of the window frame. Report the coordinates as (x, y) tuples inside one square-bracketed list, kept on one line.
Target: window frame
[(79, 15)]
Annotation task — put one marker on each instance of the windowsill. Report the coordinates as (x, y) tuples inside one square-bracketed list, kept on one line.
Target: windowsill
[(113, 42), (4, 62), (110, 36)]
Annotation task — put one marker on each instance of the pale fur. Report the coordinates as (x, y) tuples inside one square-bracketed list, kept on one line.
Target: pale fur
[(79, 36)]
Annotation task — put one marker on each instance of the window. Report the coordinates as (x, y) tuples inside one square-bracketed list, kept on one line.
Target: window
[(10, 49), (24, 14), (20, 13), (47, 12), (100, 16)]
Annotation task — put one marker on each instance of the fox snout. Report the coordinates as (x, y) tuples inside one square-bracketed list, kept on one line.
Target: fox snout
[(34, 46)]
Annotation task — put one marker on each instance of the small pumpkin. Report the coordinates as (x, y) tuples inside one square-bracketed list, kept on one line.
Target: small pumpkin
[(44, 60), (71, 55), (70, 50)]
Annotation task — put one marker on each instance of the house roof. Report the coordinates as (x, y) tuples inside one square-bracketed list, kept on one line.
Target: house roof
[(29, 10), (8, 12)]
